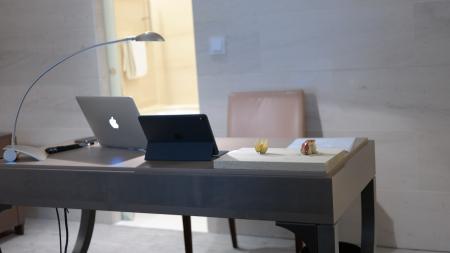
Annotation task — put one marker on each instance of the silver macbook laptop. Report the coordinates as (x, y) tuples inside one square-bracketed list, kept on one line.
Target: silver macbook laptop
[(114, 121)]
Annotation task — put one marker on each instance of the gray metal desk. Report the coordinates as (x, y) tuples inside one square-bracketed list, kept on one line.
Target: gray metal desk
[(308, 203)]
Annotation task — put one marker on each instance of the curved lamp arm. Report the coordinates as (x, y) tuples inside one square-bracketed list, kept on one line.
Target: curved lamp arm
[(148, 36)]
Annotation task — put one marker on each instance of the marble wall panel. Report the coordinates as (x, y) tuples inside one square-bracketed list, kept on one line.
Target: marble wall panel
[(369, 68), (34, 36)]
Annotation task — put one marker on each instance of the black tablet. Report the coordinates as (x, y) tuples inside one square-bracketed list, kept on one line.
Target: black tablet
[(179, 137)]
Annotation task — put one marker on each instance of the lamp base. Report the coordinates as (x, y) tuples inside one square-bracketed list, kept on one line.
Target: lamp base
[(11, 152)]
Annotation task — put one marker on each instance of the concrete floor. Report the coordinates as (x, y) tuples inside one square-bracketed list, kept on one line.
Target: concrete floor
[(42, 236)]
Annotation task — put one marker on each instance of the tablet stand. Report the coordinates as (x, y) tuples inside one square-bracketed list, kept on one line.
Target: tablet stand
[(179, 151)]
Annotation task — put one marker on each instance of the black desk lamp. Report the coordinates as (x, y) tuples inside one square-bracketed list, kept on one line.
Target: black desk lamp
[(11, 151)]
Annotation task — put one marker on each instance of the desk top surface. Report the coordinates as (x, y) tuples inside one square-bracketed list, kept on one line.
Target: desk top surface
[(97, 158)]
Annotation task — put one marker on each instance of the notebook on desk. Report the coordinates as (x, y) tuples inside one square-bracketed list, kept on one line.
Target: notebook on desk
[(277, 159)]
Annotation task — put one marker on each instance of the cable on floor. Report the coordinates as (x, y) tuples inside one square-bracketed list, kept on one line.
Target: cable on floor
[(59, 230), (66, 212)]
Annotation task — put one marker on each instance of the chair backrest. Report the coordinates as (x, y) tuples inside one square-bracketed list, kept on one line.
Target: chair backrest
[(266, 114)]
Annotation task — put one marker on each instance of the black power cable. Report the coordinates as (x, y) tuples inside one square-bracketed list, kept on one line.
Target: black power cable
[(66, 211), (59, 229)]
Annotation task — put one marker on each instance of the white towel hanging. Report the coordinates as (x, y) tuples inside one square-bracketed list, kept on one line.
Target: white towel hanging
[(135, 59)]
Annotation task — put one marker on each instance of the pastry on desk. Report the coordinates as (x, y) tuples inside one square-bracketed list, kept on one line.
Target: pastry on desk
[(308, 147)]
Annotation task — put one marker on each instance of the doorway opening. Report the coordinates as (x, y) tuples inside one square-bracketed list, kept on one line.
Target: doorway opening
[(160, 77)]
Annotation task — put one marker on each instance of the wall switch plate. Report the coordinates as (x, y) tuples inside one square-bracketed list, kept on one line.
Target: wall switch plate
[(217, 45)]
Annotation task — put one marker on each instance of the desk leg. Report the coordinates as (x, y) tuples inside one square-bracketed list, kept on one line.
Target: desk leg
[(233, 234), (368, 219), (318, 238), (85, 232), (187, 230)]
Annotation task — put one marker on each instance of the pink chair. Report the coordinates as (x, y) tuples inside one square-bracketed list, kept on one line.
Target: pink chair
[(265, 114), (262, 114)]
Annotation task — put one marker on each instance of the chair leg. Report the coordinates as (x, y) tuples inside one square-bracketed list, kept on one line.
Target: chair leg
[(304, 234), (187, 230), (232, 225), (19, 230), (299, 245)]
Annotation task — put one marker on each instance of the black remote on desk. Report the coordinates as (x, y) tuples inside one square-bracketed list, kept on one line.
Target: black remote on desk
[(57, 149)]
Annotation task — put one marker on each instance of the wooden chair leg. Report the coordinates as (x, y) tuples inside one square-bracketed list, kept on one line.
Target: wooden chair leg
[(298, 245), (304, 234), (187, 230), (232, 225), (19, 230)]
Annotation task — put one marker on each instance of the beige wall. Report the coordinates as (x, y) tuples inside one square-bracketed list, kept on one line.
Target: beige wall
[(34, 35), (376, 68), (172, 76)]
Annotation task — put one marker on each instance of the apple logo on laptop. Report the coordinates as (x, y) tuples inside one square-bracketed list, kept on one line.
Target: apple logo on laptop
[(113, 123)]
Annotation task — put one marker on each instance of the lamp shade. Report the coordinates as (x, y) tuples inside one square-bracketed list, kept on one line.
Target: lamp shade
[(149, 36)]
